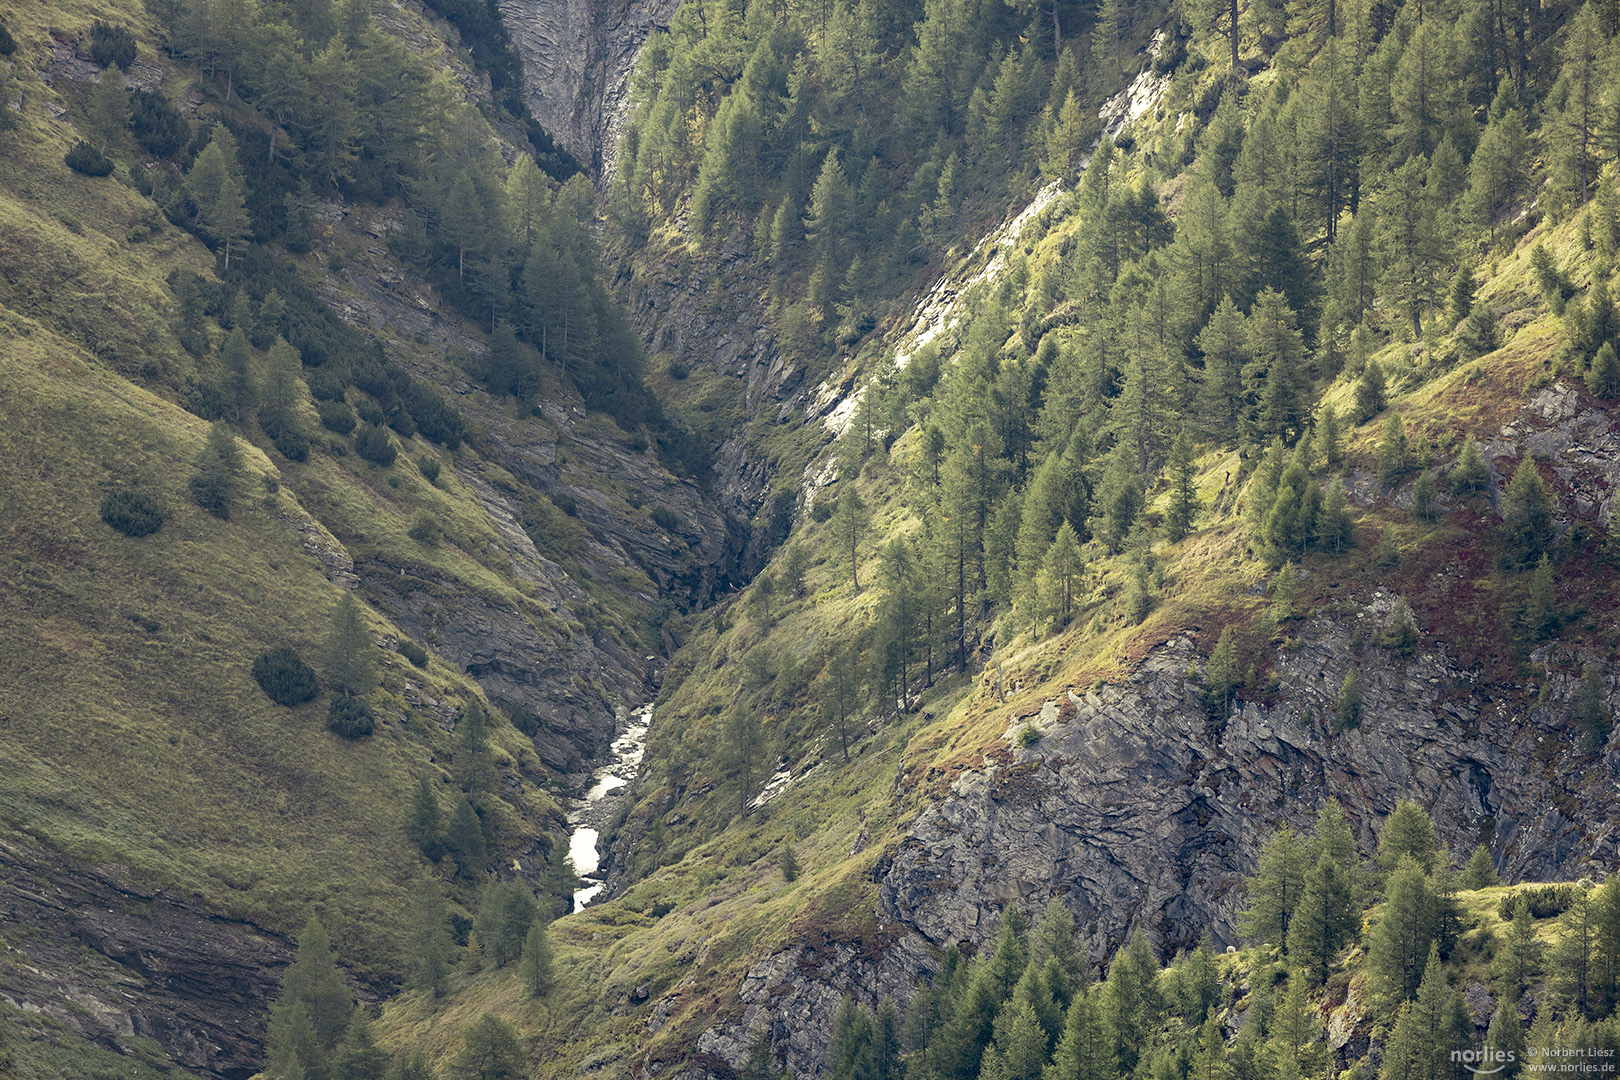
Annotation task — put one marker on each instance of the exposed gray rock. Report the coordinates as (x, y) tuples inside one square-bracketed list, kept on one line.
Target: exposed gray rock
[(577, 59), (112, 959)]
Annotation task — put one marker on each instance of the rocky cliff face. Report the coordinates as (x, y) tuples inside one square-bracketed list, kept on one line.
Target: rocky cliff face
[(577, 59), (1140, 809), (113, 960)]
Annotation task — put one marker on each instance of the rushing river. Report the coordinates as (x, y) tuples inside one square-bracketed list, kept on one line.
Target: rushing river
[(591, 813)]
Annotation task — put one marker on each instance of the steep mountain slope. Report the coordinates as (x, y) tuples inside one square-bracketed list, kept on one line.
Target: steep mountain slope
[(168, 828)]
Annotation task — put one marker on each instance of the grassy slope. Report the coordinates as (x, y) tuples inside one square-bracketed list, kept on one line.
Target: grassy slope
[(134, 732)]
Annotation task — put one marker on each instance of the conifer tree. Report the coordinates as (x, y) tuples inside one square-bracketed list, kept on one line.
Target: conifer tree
[(1496, 174), (214, 479), (474, 761), (1086, 1050), (1518, 959), (1222, 676), (424, 824), (1540, 615), (1480, 873), (1505, 1039), (1470, 474), (1591, 712), (216, 187), (1183, 491), (1325, 921), (1335, 532), (1132, 1001), (506, 909), (1347, 702), (278, 414), (1276, 888), (1060, 571), (464, 836), (1571, 963), (491, 1051), (350, 665), (358, 1057), (849, 523), (1400, 942), (1526, 529), (313, 1008), (237, 389), (430, 944), (1407, 831)]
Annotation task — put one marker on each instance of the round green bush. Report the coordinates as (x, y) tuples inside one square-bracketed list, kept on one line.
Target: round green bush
[(87, 160), (664, 518), (131, 513), (336, 416), (428, 466), (111, 45), (284, 678), (157, 124), (413, 652), (293, 445), (373, 444), (350, 718)]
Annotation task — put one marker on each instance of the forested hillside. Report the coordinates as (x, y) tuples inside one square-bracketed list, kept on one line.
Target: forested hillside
[(1175, 629)]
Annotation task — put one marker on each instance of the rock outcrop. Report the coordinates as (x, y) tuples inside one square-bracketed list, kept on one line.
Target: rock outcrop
[(112, 960), (577, 59)]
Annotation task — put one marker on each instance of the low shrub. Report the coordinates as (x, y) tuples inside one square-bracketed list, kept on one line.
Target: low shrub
[(131, 513), (429, 467), (1029, 736), (87, 160), (284, 678), (1544, 901), (111, 45), (157, 124), (564, 502), (413, 652), (336, 416), (425, 527), (664, 518), (374, 445), (350, 718), (293, 445)]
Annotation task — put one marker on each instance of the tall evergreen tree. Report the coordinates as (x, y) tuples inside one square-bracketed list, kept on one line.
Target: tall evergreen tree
[(313, 1009)]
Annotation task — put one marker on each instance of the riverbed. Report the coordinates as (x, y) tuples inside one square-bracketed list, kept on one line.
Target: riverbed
[(609, 784)]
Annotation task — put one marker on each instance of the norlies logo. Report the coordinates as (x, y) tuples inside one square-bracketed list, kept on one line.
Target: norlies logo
[(1538, 1059), (1484, 1062)]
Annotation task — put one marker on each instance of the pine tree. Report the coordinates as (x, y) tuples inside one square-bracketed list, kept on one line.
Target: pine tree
[(1591, 712), (849, 522), (1407, 831), (1347, 702), (279, 414), (464, 836), (313, 1008), (1505, 1040), (1426, 497), (216, 187), (1573, 141), (1571, 962), (1603, 379), (491, 1052), (1540, 615), (1429, 1028), (1183, 490), (1296, 1032), (214, 479), (424, 824), (1480, 873), (1400, 942), (1276, 373), (1086, 1050), (358, 1056), (1497, 174), (506, 909), (1060, 571), (350, 665), (1132, 1003), (430, 944), (1334, 530), (1018, 1049), (1222, 676), (1470, 474), (474, 761), (1518, 959), (1326, 920), (1370, 399), (1276, 888)]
